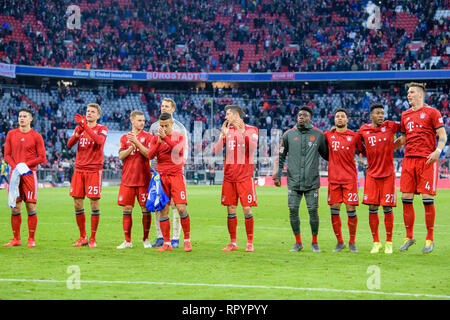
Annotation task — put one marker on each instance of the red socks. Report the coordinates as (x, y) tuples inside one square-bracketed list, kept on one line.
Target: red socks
[(337, 226), (352, 224), (430, 214), (16, 221), (146, 223), (232, 227), (374, 223), (81, 222), (249, 222), (186, 225), (408, 217), (95, 217), (389, 224), (32, 223), (298, 238), (164, 224), (127, 222)]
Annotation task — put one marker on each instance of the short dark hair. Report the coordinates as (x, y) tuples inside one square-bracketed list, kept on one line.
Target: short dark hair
[(376, 106), (26, 110), (308, 109), (341, 110), (165, 116), (235, 109)]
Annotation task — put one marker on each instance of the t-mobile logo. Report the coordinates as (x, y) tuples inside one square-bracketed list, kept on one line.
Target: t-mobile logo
[(232, 144), (372, 140), (335, 145), (83, 142), (410, 126)]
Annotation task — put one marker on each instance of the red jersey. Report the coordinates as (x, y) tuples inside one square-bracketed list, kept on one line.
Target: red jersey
[(170, 153), (239, 153), (341, 164), (136, 167), (420, 129), (379, 146), (90, 148), (24, 147)]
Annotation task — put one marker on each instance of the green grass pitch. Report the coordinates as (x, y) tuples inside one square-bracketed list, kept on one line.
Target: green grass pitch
[(207, 273)]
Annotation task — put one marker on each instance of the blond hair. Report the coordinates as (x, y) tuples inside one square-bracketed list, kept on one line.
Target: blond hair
[(136, 113), (96, 106), (417, 84), (171, 101)]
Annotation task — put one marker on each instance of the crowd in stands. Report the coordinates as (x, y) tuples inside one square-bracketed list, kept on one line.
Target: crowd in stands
[(268, 108), (226, 35)]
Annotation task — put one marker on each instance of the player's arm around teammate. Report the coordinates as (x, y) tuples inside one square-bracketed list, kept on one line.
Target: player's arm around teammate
[(420, 124)]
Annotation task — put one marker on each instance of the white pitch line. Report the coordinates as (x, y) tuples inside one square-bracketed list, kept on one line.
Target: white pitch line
[(236, 286)]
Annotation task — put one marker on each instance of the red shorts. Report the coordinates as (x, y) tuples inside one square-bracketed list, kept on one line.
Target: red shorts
[(175, 188), (244, 190), (127, 195), (346, 193), (380, 191), (418, 177), (86, 183), (28, 188)]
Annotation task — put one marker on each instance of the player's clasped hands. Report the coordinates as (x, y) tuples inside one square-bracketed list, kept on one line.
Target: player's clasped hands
[(161, 134), (81, 120)]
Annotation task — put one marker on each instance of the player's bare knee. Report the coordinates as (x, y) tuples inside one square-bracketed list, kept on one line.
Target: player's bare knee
[(78, 204), (247, 210), (232, 209), (181, 209), (31, 207), (95, 204), (127, 208), (375, 207)]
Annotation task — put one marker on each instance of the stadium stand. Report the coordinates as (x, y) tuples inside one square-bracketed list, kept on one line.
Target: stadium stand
[(260, 35)]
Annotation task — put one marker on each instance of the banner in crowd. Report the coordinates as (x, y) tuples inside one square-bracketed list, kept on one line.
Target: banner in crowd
[(7, 70), (177, 76), (410, 75)]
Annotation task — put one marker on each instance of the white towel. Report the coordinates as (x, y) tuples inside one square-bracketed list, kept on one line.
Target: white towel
[(20, 170), (23, 169), (13, 193)]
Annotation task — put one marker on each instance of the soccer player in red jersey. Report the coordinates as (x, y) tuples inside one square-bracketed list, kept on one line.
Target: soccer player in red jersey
[(419, 126), (169, 147), (342, 177), (135, 176), (88, 175), (25, 145), (240, 142), (379, 187)]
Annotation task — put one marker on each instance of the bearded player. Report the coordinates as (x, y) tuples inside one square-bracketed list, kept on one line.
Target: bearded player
[(169, 106), (135, 177), (88, 175), (169, 147), (342, 177)]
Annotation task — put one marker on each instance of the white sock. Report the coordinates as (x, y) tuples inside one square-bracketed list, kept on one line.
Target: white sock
[(176, 223), (157, 226)]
